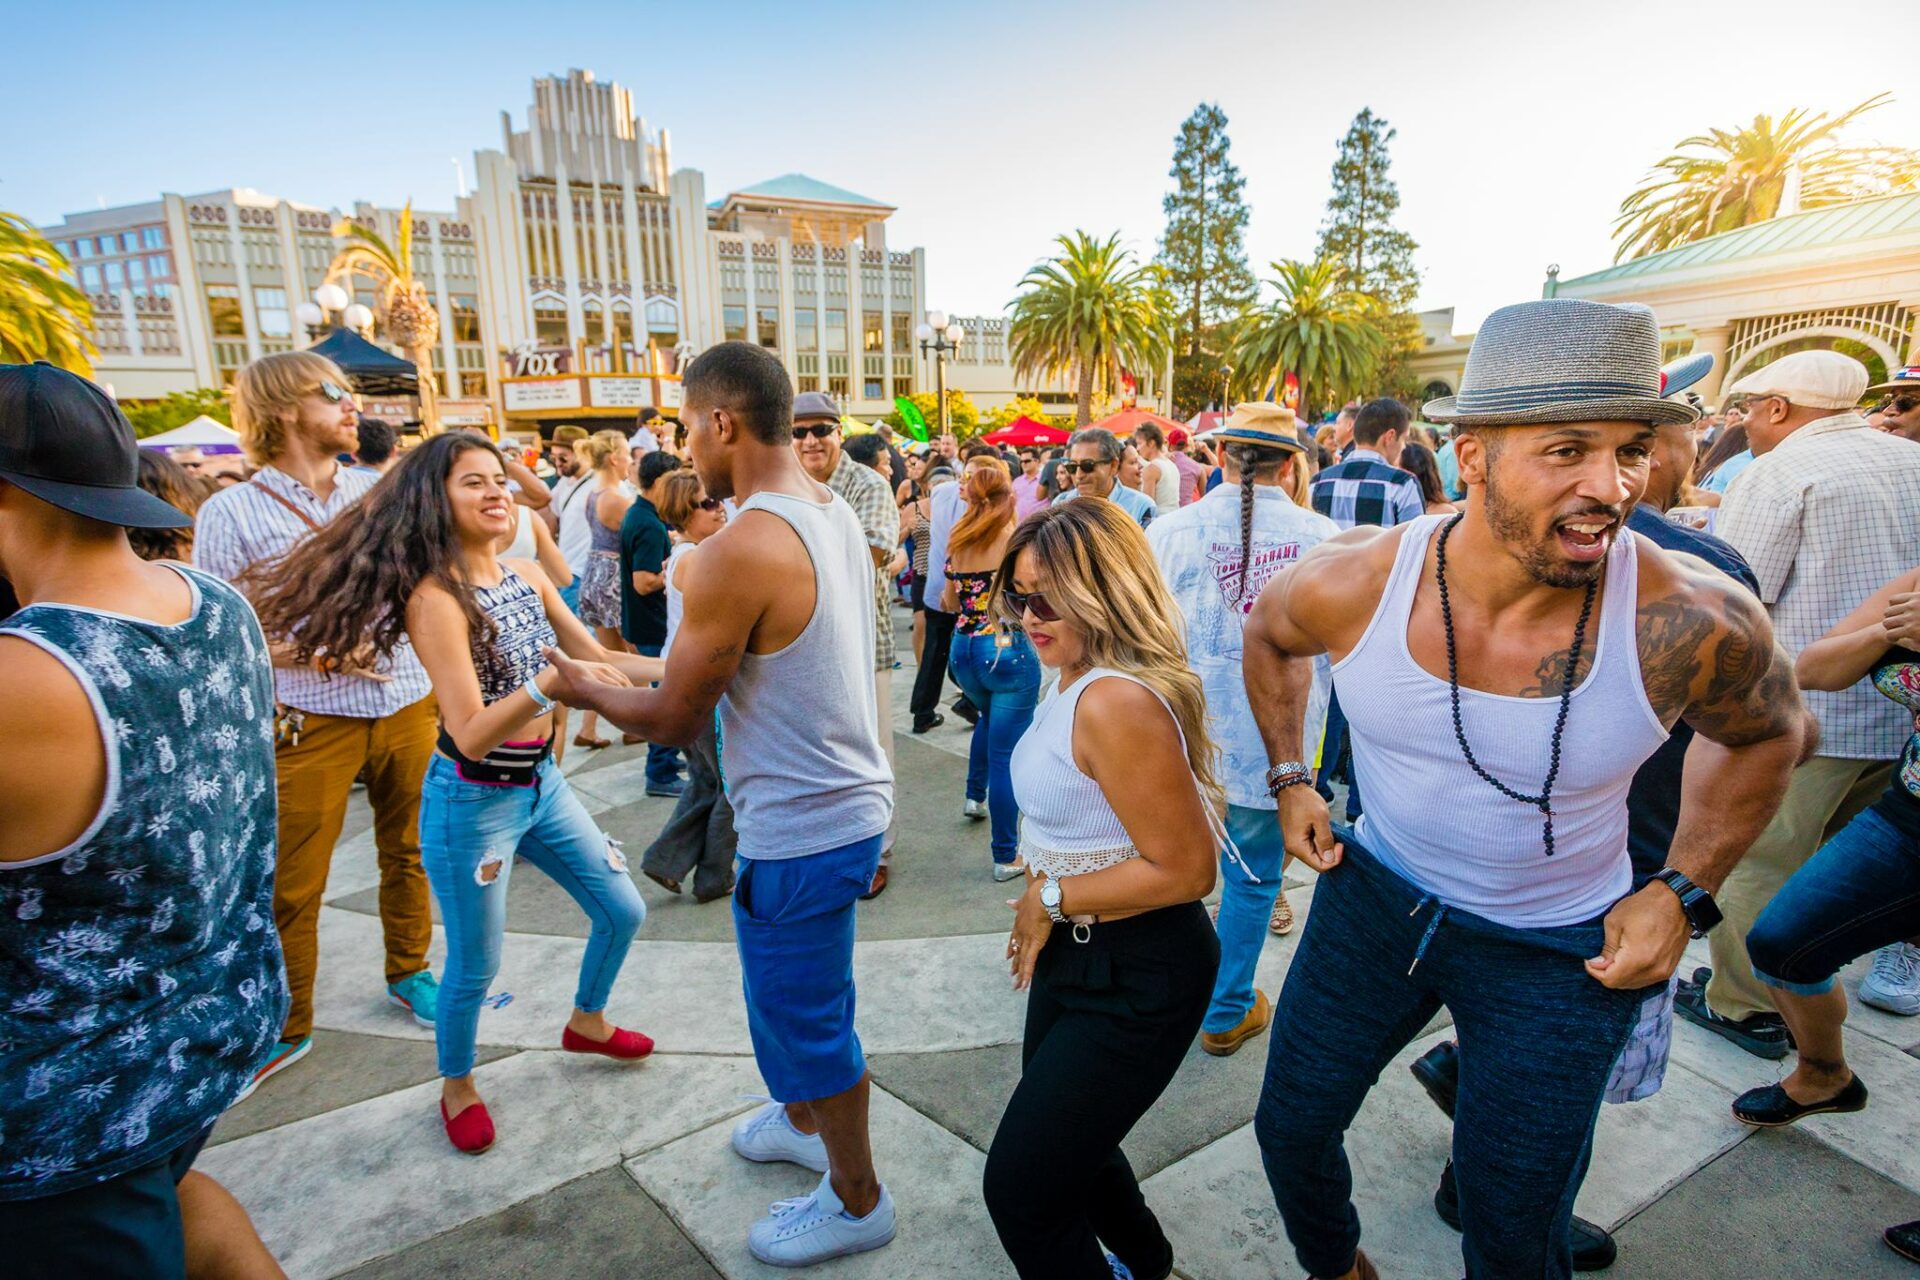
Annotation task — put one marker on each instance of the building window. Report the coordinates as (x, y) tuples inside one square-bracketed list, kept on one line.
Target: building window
[(806, 330), (836, 329), (270, 312), (473, 383), (130, 242), (153, 238), (837, 388), (735, 320), (622, 326), (223, 310), (872, 337), (770, 327), (137, 274), (115, 276), (90, 277), (872, 389), (466, 317), (159, 265), (550, 326), (162, 291), (902, 333), (83, 247)]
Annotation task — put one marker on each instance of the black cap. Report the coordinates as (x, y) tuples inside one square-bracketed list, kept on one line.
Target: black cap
[(64, 440)]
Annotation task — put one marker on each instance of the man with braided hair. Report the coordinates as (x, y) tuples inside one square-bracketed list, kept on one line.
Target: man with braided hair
[(1216, 554)]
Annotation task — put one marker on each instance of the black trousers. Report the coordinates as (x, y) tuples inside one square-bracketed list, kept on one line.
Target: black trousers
[(934, 652), (1109, 1021)]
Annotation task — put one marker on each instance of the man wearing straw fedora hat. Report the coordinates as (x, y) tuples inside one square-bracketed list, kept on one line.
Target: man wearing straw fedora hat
[(1505, 671)]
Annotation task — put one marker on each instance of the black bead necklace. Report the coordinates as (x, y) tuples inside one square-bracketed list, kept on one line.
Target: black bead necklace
[(1543, 801)]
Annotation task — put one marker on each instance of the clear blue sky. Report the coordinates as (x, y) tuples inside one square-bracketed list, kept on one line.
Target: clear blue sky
[(991, 125)]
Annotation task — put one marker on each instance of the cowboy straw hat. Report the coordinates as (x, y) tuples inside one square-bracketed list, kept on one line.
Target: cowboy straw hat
[(1260, 422), (1562, 360), (1903, 381)]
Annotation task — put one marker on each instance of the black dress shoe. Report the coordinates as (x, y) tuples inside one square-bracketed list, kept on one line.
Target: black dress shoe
[(1438, 1071), (934, 721), (1764, 1035), (1593, 1248), (1771, 1106), (965, 709), (1904, 1240)]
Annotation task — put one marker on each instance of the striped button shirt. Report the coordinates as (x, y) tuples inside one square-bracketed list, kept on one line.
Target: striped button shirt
[(1367, 489), (242, 526), (1826, 519)]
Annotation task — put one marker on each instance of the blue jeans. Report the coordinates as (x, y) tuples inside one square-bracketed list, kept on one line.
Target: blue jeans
[(1538, 1038), (1860, 892), (570, 595), (1000, 674), (1245, 908), (469, 834), (663, 763)]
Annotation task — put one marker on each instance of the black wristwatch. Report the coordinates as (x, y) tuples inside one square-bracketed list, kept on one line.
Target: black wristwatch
[(1702, 911)]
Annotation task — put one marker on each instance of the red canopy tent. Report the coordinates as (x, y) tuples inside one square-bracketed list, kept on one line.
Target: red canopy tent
[(1025, 431), (1201, 423), (1127, 421)]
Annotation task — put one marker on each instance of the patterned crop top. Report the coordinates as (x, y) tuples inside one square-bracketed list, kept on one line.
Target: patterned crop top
[(1897, 675), (974, 590), (521, 631)]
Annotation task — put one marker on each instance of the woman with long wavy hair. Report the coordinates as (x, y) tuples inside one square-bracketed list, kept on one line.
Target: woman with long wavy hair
[(418, 558), (991, 660), (612, 493), (1117, 786)]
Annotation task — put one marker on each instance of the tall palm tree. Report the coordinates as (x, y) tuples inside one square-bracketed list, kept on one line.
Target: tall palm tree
[(43, 315), (1326, 333), (1728, 178), (404, 312), (1091, 310)]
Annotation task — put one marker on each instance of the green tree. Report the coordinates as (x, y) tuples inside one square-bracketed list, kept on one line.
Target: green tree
[(1728, 178), (1359, 232), (1012, 411), (177, 408), (1317, 327), (1203, 256), (963, 415), (1090, 311), (43, 315)]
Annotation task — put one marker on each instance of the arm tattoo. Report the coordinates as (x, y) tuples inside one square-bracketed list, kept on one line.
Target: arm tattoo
[(1671, 633), (1748, 694)]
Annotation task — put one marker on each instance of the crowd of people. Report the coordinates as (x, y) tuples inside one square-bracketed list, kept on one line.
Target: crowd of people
[(1585, 615)]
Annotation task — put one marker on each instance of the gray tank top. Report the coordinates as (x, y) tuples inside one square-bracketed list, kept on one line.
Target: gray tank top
[(800, 749)]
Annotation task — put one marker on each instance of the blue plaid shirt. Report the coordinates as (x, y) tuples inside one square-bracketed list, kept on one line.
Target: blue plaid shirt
[(1367, 489)]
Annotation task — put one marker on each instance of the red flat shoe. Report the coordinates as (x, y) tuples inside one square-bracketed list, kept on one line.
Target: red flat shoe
[(471, 1131), (628, 1046)]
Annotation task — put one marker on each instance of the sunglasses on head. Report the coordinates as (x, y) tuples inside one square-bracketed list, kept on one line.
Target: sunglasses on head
[(1084, 467), (1017, 604), (333, 393), (819, 430)]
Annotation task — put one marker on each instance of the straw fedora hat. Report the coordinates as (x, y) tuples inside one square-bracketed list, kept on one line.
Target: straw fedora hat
[(1260, 422), (1562, 360)]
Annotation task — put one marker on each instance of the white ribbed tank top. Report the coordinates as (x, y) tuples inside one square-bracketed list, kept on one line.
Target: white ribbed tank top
[(1431, 819)]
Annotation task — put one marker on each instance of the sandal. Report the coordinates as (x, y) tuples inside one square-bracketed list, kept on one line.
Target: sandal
[(1281, 922), (591, 744)]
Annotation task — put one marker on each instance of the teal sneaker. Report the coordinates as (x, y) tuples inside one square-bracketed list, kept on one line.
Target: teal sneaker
[(419, 995), (284, 1055)]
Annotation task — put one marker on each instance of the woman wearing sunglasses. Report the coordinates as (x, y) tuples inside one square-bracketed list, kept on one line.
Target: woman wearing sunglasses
[(418, 562), (991, 661), (1115, 780), (698, 839)]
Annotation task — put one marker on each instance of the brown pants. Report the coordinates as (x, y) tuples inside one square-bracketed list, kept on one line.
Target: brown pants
[(1824, 795), (314, 779)]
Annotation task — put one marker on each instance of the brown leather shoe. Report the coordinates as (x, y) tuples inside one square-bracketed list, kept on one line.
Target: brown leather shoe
[(1253, 1024), (879, 885), (1362, 1269)]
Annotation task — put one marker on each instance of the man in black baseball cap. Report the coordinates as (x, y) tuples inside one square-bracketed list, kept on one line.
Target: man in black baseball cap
[(64, 440)]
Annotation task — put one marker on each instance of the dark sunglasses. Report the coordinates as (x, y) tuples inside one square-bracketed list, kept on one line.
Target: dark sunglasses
[(333, 394), (1017, 604), (1083, 467), (1902, 404), (710, 504), (819, 430)]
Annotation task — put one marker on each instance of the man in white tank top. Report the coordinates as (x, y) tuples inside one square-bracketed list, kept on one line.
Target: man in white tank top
[(777, 633), (1505, 672)]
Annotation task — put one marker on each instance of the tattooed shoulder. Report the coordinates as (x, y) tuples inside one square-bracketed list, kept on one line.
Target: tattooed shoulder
[(1672, 634)]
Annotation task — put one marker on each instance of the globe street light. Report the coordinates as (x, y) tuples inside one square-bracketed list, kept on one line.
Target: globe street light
[(357, 317), (940, 338), (331, 297)]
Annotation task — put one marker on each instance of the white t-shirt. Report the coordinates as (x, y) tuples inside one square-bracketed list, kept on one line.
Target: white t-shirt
[(674, 601)]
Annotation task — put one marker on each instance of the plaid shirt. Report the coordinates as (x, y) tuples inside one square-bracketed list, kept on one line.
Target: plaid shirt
[(868, 493), (1367, 489), (1826, 519)]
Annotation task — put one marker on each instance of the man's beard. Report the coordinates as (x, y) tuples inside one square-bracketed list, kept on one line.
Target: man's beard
[(1509, 524)]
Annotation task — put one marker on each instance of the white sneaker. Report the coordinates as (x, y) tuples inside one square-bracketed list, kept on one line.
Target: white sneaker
[(767, 1135), (1894, 984), (815, 1227), (976, 809)]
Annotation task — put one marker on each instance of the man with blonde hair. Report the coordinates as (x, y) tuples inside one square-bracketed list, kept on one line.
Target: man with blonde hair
[(295, 415)]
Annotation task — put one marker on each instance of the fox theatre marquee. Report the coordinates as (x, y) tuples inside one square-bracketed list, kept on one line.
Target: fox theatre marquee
[(545, 387)]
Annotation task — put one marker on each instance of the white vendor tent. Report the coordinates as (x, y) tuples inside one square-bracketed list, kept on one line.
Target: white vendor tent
[(202, 433)]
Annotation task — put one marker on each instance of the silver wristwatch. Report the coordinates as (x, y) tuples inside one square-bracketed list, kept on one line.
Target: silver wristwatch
[(1288, 773), (1050, 899)]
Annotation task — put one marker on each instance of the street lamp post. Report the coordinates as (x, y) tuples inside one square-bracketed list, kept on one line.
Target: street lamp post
[(940, 338), (327, 299)]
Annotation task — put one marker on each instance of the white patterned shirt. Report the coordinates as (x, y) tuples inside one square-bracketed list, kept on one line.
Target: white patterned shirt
[(1827, 518), (242, 526)]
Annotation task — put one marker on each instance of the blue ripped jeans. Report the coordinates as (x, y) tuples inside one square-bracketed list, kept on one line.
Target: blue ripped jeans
[(1000, 674), (1245, 909), (1538, 1039), (469, 834)]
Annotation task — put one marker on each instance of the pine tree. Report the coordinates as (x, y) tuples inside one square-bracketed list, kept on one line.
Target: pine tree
[(1359, 229), (1203, 253)]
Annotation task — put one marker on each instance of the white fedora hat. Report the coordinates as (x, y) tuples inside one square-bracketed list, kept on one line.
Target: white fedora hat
[(1562, 360)]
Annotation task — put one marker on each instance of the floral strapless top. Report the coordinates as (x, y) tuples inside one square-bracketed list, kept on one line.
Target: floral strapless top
[(1897, 675), (974, 590)]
